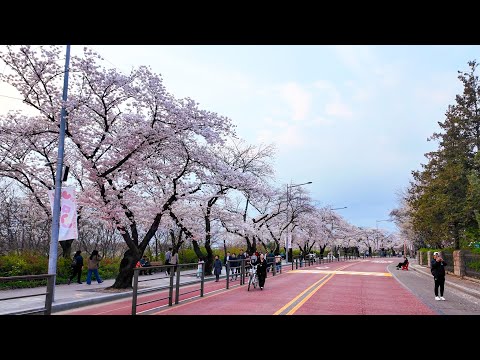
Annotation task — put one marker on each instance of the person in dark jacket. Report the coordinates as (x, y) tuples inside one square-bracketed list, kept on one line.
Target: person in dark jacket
[(77, 266), (400, 264), (270, 260), (438, 271), (240, 263), (144, 262), (217, 268), (262, 270)]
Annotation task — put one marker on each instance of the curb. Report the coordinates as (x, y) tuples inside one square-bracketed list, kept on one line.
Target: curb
[(471, 292), (75, 304)]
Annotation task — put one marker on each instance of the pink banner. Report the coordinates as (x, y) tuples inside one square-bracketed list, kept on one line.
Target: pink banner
[(68, 214)]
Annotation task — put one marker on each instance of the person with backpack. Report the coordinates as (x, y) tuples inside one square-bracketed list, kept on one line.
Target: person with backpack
[(77, 266)]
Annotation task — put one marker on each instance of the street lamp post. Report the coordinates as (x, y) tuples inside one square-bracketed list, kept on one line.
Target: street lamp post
[(287, 243), (52, 258), (331, 218)]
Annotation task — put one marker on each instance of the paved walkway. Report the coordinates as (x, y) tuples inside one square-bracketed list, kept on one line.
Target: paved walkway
[(465, 285), (77, 295)]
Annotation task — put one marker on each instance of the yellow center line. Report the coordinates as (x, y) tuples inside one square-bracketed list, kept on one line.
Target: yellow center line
[(310, 290), (336, 272), (300, 303), (299, 296)]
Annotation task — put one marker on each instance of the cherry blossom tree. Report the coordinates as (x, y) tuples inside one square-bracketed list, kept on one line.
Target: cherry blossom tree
[(131, 145), (308, 233), (252, 166)]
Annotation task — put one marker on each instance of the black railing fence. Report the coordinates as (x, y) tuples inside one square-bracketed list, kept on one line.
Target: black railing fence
[(47, 308)]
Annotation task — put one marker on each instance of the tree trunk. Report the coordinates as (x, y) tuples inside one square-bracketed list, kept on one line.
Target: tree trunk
[(209, 259), (66, 248), (125, 276)]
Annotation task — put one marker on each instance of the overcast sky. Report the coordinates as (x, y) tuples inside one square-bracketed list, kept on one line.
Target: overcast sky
[(354, 120)]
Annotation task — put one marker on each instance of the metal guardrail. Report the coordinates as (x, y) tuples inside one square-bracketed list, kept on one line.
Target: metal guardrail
[(238, 270), (174, 284), (47, 309)]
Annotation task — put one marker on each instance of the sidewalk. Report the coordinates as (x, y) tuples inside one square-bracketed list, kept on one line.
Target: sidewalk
[(466, 285), (75, 295)]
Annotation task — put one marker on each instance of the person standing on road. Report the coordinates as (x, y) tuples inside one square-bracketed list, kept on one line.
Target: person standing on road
[(278, 262), (438, 271), (93, 264), (77, 266), (261, 270), (217, 268), (168, 256)]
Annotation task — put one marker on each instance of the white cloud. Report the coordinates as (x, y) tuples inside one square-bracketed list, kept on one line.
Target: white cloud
[(282, 133), (299, 100), (357, 58), (335, 107), (389, 75), (363, 62), (323, 121), (338, 109), (439, 90)]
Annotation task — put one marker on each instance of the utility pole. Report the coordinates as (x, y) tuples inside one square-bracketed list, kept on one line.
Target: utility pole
[(52, 259)]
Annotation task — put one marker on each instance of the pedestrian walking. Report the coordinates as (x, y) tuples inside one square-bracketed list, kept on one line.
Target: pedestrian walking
[(77, 266), (217, 268), (438, 271), (93, 265), (262, 270), (168, 256)]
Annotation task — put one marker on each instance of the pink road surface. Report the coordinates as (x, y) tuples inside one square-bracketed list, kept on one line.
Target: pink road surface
[(361, 287)]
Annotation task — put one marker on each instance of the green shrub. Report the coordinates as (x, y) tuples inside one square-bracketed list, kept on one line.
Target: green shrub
[(33, 264), (475, 265), (16, 265)]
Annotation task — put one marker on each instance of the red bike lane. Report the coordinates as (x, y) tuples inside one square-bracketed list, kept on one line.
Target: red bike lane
[(362, 287)]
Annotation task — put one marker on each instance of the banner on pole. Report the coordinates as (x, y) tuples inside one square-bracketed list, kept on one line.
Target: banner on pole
[(68, 213)]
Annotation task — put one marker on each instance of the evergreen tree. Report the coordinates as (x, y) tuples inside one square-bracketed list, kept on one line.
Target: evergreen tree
[(438, 196)]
